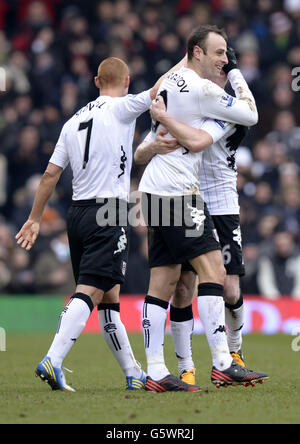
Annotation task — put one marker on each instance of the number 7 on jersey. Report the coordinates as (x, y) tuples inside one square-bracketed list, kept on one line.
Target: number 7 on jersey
[(86, 125)]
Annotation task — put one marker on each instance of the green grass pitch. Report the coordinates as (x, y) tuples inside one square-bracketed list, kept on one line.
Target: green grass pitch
[(101, 398)]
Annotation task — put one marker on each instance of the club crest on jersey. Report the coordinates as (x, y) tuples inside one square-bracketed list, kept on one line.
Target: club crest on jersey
[(226, 100)]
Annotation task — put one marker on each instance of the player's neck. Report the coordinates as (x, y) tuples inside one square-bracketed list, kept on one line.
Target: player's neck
[(192, 64), (113, 92)]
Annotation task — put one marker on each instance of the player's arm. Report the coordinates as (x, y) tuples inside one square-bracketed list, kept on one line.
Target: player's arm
[(144, 153), (152, 146), (194, 139), (30, 230), (215, 103)]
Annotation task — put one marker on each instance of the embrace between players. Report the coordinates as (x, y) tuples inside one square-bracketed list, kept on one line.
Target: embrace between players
[(196, 130)]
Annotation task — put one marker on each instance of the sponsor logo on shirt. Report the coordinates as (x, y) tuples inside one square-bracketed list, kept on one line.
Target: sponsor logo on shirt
[(220, 123), (226, 100)]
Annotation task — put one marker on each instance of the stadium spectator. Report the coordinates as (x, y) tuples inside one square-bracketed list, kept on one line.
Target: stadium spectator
[(249, 281), (53, 271), (278, 271)]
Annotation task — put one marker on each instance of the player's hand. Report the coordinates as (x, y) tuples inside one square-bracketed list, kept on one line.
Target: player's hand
[(234, 141), (158, 108), (232, 61), (164, 145), (28, 234)]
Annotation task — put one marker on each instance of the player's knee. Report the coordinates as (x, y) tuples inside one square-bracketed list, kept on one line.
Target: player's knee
[(97, 297), (183, 295), (163, 282), (232, 291), (231, 298), (171, 288), (112, 296), (93, 293), (164, 292), (181, 289)]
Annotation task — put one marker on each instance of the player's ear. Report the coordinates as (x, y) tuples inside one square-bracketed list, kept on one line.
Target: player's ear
[(197, 52), (97, 83), (127, 82)]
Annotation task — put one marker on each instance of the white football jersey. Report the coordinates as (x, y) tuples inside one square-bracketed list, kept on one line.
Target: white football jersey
[(217, 172), (191, 99), (97, 142)]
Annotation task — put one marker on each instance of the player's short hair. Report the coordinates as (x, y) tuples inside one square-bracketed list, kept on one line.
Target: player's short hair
[(199, 35), (112, 72)]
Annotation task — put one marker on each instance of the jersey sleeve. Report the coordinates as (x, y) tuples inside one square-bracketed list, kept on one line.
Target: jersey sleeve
[(132, 106), (60, 155), (215, 103), (217, 128)]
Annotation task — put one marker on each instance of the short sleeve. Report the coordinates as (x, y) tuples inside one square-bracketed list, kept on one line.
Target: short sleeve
[(132, 106), (60, 155)]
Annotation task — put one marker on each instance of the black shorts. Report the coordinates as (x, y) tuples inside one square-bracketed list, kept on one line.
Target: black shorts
[(99, 254), (185, 236), (229, 232)]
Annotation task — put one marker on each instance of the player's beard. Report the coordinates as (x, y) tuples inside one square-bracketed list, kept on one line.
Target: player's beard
[(211, 71)]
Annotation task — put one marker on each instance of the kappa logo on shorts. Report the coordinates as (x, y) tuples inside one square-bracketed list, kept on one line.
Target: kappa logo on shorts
[(122, 244), (238, 236), (197, 216)]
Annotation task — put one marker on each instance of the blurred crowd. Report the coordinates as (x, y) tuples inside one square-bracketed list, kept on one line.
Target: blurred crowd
[(50, 51)]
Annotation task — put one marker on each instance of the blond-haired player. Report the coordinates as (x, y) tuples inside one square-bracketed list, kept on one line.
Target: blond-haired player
[(97, 143)]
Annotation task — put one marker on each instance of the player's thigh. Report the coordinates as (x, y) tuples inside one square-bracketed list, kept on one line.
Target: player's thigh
[(185, 289), (163, 281), (229, 232), (209, 267)]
